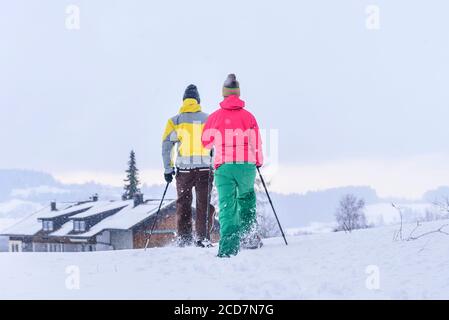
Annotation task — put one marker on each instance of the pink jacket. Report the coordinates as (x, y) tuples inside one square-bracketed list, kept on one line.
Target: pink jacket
[(234, 132)]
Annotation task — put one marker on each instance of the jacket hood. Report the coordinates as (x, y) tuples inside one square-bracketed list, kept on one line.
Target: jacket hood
[(232, 103), (190, 105)]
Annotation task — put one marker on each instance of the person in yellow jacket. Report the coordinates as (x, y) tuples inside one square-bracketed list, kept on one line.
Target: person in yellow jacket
[(182, 137)]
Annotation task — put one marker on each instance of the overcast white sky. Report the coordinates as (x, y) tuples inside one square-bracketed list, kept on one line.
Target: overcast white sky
[(352, 105)]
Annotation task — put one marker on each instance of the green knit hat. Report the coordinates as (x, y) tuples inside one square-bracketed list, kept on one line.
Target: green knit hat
[(231, 86)]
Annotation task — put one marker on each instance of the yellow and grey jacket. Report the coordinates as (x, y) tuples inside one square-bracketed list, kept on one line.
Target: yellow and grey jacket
[(184, 130)]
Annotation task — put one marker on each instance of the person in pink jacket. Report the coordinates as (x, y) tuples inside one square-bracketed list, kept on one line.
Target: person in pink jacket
[(234, 134)]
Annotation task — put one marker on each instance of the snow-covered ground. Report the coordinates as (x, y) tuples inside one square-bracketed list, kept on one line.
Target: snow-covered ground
[(364, 264)]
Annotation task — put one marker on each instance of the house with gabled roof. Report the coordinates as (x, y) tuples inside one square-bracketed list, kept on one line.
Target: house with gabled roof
[(96, 225)]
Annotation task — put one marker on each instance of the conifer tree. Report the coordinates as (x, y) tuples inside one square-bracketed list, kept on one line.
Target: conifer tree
[(132, 178)]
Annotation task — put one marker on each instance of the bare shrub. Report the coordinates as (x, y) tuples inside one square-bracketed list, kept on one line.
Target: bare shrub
[(398, 234), (350, 215)]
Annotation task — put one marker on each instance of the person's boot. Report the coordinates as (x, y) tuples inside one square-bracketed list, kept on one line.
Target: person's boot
[(253, 241), (203, 243), (184, 241)]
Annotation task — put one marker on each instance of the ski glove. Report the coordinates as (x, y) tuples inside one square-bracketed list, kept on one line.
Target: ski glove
[(169, 177)]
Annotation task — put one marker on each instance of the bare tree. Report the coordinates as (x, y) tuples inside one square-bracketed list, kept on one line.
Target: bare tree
[(442, 205), (430, 215), (350, 215), (438, 211), (267, 226)]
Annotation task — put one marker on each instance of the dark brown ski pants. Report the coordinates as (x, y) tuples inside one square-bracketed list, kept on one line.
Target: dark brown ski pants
[(186, 180)]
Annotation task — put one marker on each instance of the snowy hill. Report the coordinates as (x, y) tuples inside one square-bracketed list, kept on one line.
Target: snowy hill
[(22, 179), (364, 264)]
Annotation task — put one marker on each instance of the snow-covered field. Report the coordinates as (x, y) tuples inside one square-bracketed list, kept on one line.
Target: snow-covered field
[(364, 264)]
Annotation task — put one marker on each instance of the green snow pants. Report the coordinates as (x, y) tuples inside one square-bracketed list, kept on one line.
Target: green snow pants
[(237, 203)]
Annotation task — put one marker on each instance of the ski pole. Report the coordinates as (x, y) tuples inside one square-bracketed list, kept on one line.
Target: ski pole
[(209, 195), (155, 219), (272, 207)]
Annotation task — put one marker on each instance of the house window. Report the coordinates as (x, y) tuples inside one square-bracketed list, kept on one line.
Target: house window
[(79, 226), (15, 246), (88, 247), (54, 247), (47, 225)]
